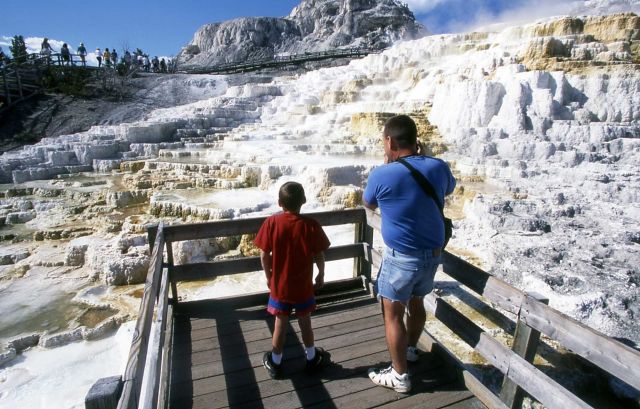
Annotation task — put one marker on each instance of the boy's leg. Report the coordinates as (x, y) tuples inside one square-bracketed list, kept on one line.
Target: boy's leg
[(279, 333), (307, 331)]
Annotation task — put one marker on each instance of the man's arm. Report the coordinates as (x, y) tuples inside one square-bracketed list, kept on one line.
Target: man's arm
[(319, 259), (369, 205), (265, 260)]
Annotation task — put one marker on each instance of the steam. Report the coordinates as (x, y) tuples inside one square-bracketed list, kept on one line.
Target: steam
[(451, 16)]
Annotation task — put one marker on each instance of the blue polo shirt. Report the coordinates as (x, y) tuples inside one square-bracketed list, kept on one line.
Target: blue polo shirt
[(410, 218)]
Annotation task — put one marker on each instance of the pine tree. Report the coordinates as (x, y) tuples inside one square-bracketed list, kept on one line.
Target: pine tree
[(18, 49)]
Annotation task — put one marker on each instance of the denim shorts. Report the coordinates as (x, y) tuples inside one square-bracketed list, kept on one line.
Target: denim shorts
[(403, 276)]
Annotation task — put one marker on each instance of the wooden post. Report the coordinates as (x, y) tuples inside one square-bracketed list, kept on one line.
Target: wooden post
[(163, 393), (363, 234), (525, 344), (172, 278), (19, 83), (104, 394), (7, 94)]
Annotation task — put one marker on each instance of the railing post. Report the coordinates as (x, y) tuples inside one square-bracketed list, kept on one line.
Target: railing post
[(363, 234), (7, 94), (19, 81), (174, 286), (525, 344), (104, 394)]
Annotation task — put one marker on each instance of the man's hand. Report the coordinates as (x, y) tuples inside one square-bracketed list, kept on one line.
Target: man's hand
[(319, 282)]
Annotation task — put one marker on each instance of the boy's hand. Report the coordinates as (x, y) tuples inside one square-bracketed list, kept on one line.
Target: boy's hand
[(319, 282)]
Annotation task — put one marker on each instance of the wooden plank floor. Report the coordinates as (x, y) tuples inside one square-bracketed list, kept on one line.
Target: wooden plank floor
[(217, 361)]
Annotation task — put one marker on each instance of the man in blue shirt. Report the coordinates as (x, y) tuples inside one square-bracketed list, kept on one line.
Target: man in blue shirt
[(413, 233)]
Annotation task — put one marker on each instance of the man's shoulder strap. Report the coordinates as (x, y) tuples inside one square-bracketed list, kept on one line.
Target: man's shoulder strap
[(424, 183)]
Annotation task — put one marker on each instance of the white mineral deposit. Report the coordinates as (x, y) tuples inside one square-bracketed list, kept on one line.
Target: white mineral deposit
[(540, 124)]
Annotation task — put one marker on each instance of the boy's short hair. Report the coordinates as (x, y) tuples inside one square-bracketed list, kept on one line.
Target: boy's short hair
[(291, 196), (403, 130)]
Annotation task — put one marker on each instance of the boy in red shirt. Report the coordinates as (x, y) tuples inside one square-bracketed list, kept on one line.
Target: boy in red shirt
[(289, 245)]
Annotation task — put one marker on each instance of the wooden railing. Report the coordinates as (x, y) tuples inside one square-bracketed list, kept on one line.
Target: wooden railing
[(280, 61), (19, 82), (153, 334), (534, 317), (146, 387)]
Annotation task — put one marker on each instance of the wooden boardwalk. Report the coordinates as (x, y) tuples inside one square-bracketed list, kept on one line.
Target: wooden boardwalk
[(208, 354), (217, 361)]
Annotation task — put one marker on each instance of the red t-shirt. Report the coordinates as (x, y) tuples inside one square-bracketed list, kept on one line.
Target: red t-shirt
[(293, 241)]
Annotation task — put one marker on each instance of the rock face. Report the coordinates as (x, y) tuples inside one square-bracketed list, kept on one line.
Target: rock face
[(314, 25)]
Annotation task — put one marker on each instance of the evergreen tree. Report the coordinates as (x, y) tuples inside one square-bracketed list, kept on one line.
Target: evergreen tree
[(18, 49)]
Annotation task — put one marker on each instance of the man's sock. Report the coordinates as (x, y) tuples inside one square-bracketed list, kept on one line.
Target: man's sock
[(310, 352), (276, 358)]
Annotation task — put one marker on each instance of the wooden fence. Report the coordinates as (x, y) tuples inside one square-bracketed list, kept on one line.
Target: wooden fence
[(282, 61), (146, 386), (19, 82)]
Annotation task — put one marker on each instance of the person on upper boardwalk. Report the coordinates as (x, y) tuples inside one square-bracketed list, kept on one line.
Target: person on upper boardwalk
[(45, 48), (163, 65), (66, 54), (147, 63), (155, 64), (114, 57), (82, 52), (413, 234), (99, 57), (289, 244), (106, 56)]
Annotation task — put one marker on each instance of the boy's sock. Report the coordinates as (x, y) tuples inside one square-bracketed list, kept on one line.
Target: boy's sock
[(276, 358), (310, 352)]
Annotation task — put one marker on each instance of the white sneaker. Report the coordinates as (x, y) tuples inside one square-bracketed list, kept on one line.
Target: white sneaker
[(413, 354), (389, 378)]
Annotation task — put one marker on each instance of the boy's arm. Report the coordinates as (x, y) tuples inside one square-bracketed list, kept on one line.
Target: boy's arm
[(265, 260), (319, 259)]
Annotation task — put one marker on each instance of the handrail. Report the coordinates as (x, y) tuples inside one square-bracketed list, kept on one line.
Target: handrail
[(208, 230), (607, 353), (135, 370), (241, 66)]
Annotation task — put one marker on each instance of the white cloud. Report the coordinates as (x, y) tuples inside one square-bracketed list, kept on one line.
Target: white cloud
[(549, 8), (34, 44), (424, 6), (525, 13), (465, 15)]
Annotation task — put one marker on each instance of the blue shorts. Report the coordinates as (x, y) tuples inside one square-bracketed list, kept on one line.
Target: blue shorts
[(403, 276), (275, 307)]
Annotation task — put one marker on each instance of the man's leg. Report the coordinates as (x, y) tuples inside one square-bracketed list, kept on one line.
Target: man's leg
[(279, 333), (396, 334), (415, 321)]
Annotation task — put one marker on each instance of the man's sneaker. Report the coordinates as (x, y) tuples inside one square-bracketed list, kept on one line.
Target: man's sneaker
[(413, 354), (389, 378), (275, 371), (320, 359)]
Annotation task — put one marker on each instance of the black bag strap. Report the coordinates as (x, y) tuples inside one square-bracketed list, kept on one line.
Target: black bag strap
[(424, 184)]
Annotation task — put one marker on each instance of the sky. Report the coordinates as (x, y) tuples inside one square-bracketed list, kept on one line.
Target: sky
[(163, 27)]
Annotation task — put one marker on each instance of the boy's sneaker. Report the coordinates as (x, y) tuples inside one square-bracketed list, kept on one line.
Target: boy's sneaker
[(389, 378), (275, 371), (320, 359), (413, 354)]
